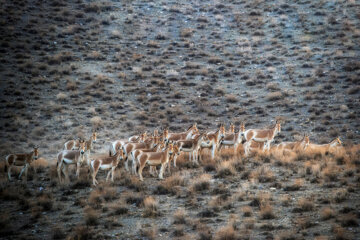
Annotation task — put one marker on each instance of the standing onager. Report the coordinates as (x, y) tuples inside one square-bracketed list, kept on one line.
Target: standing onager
[(106, 163), (263, 135), (155, 159), (192, 146), (135, 153), (74, 144), (232, 139), (129, 147), (68, 157), (214, 141), (323, 149), (20, 159), (121, 142), (180, 136)]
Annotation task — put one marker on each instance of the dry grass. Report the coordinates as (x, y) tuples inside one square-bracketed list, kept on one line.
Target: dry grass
[(327, 213), (151, 208), (263, 174), (305, 205), (266, 211), (91, 217), (226, 233), (202, 183)]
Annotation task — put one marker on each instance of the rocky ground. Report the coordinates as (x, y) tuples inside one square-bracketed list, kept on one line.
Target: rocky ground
[(121, 67)]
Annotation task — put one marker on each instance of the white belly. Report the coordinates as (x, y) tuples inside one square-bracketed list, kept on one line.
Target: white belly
[(69, 161), (105, 166)]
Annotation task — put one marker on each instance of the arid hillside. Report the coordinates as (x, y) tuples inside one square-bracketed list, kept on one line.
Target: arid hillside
[(68, 68)]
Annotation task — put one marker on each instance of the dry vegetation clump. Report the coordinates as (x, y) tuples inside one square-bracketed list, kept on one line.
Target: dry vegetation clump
[(45, 201), (91, 216), (225, 169), (151, 207), (298, 183), (40, 165), (247, 211), (226, 233), (266, 211), (340, 195), (171, 184), (304, 205), (327, 213), (180, 217), (341, 233), (149, 233), (202, 183), (263, 174), (304, 222)]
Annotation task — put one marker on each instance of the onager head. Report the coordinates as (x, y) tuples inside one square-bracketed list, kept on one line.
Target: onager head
[(278, 126), (93, 137), (336, 142), (165, 135), (232, 128), (306, 141), (222, 130), (82, 144), (36, 153)]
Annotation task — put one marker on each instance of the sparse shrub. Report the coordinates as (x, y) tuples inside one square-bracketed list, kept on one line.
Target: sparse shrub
[(150, 233), (91, 216), (247, 211), (150, 207), (340, 195), (45, 201), (263, 174), (61, 96), (304, 222), (327, 213), (226, 233), (231, 98), (179, 231), (186, 32), (305, 205), (58, 233), (274, 96), (180, 217), (225, 169), (96, 122), (202, 183), (266, 211)]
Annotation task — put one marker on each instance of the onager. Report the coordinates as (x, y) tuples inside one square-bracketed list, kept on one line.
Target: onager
[(323, 149), (155, 159), (232, 139), (292, 146), (180, 136), (214, 141), (129, 147), (252, 146), (263, 135), (20, 159), (192, 147), (135, 153), (106, 163), (121, 142), (68, 157), (136, 137), (74, 144)]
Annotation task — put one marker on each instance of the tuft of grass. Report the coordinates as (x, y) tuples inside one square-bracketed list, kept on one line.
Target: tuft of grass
[(247, 211), (274, 96), (180, 217), (202, 183), (327, 213), (150, 207), (91, 216), (263, 174), (266, 211), (305, 205), (226, 233), (225, 169)]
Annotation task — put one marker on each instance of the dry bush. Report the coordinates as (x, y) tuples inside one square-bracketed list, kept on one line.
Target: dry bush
[(298, 183), (330, 173), (96, 122), (305, 205), (40, 165), (170, 184), (247, 211), (58, 233), (91, 216), (348, 220), (81, 233), (340, 195), (186, 32), (45, 201), (263, 174), (304, 222), (341, 233), (201, 183), (285, 200), (180, 217), (327, 213), (61, 96), (151, 208), (274, 96), (149, 233), (266, 211), (226, 233), (224, 169), (230, 98)]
